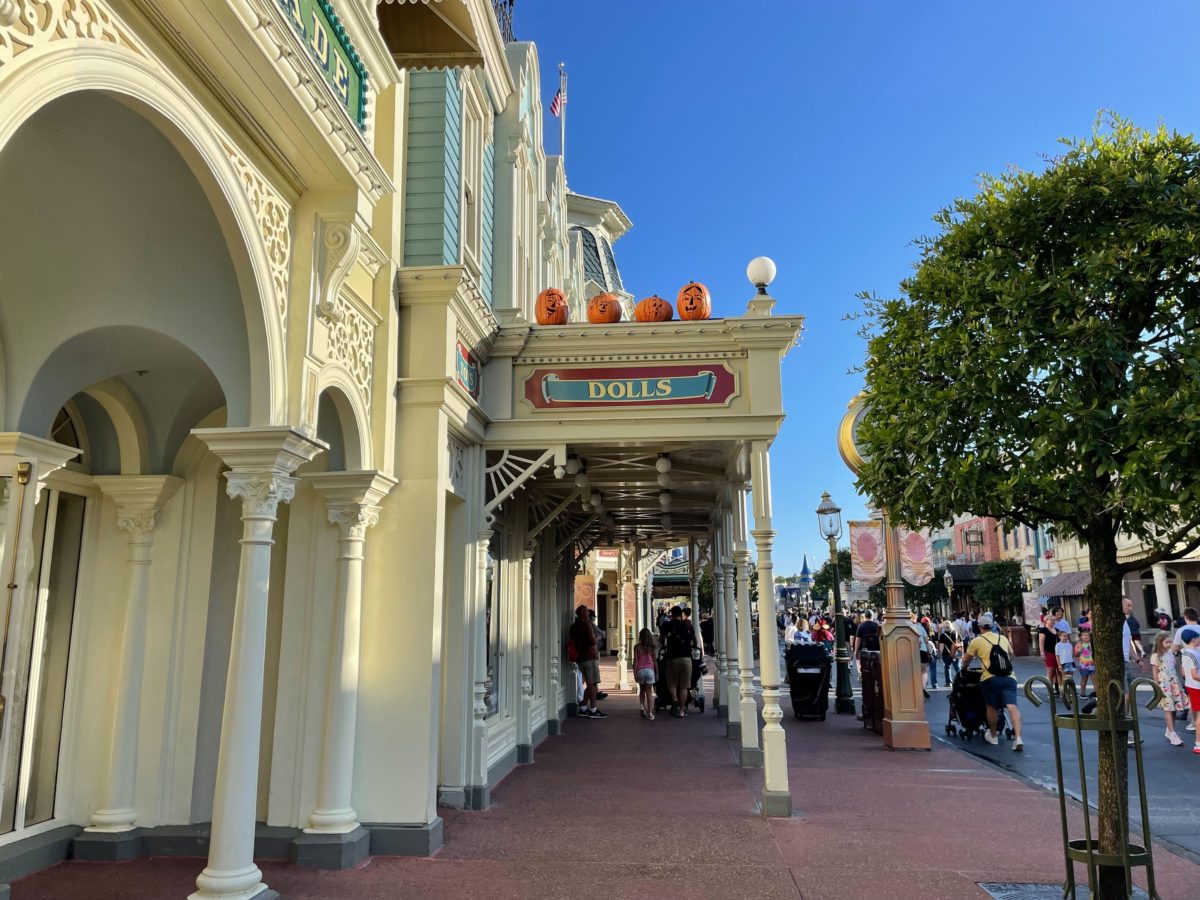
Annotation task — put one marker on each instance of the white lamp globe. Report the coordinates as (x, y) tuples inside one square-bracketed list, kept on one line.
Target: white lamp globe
[(761, 272)]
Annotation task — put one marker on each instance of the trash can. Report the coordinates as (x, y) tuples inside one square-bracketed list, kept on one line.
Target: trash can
[(808, 674)]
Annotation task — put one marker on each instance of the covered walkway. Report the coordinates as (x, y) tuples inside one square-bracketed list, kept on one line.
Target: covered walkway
[(625, 808)]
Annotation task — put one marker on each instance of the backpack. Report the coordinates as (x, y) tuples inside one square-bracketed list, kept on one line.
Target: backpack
[(999, 663)]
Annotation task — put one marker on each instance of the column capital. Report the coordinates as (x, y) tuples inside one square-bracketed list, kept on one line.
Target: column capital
[(272, 450), (366, 488), (138, 499), (260, 492)]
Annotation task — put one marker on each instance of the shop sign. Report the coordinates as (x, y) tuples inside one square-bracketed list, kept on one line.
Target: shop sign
[(635, 386), (466, 371), (330, 48)]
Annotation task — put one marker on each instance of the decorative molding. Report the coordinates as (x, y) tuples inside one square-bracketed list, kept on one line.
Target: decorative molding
[(272, 213), (353, 520), (626, 357), (138, 522), (352, 343), (284, 49), (340, 241), (457, 452), (260, 492), (32, 23)]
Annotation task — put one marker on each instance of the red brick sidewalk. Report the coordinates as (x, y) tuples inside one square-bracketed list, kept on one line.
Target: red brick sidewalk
[(626, 808)]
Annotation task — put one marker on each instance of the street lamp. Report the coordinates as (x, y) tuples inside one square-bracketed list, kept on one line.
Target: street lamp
[(829, 518), (948, 581)]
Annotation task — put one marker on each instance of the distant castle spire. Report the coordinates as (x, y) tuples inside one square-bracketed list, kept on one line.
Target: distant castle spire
[(806, 578)]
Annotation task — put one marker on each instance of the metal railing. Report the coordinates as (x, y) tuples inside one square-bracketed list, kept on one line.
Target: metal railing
[(504, 18)]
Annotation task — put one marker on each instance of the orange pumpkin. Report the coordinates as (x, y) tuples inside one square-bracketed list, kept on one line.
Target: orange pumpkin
[(604, 309), (551, 307), (694, 301), (653, 309)]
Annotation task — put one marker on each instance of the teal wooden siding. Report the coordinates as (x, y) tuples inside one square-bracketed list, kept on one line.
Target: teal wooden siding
[(432, 178), (489, 218)]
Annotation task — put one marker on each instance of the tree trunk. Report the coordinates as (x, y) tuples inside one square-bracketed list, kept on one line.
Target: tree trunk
[(1103, 598)]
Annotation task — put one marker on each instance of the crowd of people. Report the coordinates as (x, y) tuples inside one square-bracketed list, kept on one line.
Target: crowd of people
[(675, 656)]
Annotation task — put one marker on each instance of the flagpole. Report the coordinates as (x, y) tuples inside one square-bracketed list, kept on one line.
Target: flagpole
[(562, 117)]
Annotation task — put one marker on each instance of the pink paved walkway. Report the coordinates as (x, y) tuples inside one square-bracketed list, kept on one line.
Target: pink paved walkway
[(625, 808)]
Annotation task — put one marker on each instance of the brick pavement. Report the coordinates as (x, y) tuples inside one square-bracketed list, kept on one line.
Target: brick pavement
[(626, 808)]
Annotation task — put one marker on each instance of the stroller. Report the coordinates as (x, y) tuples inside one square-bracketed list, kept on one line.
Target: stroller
[(662, 696), (968, 713)]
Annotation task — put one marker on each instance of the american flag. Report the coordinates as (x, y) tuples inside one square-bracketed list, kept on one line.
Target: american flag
[(559, 101)]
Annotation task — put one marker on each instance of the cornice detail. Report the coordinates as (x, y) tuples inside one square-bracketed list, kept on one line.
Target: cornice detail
[(33, 23), (318, 97)]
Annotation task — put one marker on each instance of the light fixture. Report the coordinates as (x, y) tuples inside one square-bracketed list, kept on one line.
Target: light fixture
[(829, 517), (666, 521), (581, 480), (761, 272), (664, 480), (948, 581), (573, 465), (664, 499), (597, 499), (663, 463)]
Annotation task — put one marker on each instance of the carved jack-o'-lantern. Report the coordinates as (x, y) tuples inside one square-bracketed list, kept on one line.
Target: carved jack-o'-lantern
[(694, 301), (653, 309), (604, 309), (551, 307)]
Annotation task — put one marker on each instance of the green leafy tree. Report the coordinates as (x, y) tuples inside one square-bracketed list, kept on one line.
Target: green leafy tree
[(1043, 366), (823, 579), (999, 587)]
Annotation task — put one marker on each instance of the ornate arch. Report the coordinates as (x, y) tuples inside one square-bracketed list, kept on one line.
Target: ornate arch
[(252, 216), (355, 419)]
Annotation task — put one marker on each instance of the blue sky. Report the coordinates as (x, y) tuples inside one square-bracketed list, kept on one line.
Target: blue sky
[(825, 135)]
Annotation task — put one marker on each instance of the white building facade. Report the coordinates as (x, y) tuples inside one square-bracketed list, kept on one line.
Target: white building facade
[(289, 523)]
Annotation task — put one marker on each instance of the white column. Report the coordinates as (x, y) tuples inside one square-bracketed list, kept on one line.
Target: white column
[(138, 499), (627, 560), (1162, 588), (524, 622), (261, 462), (732, 676), (776, 798), (718, 648), (351, 501), (750, 754), (482, 683)]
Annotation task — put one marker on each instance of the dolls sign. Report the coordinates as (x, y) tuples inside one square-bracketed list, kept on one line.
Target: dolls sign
[(635, 386)]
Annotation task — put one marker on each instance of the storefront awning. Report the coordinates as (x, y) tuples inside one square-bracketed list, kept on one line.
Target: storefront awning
[(431, 34), (943, 544), (1070, 584)]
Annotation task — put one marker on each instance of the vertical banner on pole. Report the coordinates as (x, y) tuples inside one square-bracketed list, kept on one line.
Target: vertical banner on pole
[(916, 556), (866, 552)]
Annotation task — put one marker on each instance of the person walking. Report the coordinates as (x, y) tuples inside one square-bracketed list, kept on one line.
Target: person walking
[(680, 639), (587, 658), (789, 633), (1190, 619), (645, 655), (1065, 651), (997, 684), (948, 647), (1175, 699), (866, 637), (932, 657), (1084, 658), (1189, 637), (1048, 638)]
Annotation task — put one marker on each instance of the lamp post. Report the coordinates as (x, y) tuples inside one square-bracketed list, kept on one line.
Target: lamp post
[(829, 518), (948, 581)]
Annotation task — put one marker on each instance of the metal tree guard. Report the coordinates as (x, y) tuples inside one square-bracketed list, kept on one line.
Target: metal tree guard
[(1118, 727)]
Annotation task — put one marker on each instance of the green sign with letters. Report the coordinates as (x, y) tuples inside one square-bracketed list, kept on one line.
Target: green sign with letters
[(330, 47)]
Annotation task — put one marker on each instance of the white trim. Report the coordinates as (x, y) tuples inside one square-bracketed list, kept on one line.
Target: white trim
[(33, 830)]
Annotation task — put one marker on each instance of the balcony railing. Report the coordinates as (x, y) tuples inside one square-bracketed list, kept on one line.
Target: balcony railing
[(504, 10)]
